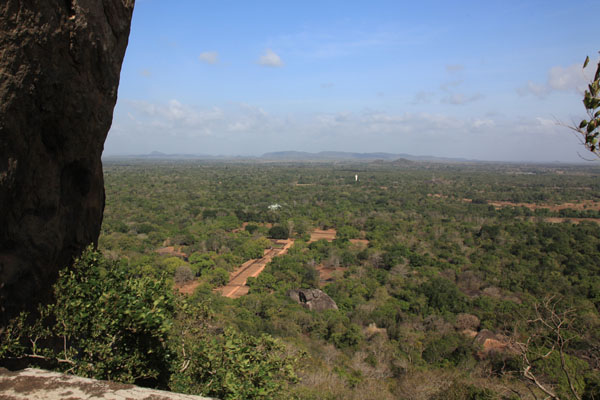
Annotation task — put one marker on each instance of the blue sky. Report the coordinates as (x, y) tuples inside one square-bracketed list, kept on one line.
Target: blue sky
[(484, 80)]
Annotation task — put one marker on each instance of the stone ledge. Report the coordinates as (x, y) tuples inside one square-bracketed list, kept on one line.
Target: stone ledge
[(38, 384)]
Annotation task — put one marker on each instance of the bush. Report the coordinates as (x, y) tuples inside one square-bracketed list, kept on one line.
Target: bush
[(443, 296), (278, 232), (465, 391), (201, 261), (218, 277), (466, 321), (453, 348), (183, 274), (251, 228), (106, 323), (231, 365)]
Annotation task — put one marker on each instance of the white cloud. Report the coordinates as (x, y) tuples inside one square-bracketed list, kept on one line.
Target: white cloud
[(146, 72), (238, 128), (175, 116), (571, 78), (533, 88), (460, 98), (483, 123), (270, 59), (455, 98), (545, 122), (568, 78), (209, 57)]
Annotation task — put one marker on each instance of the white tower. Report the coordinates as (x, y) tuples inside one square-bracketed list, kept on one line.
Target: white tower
[(356, 178)]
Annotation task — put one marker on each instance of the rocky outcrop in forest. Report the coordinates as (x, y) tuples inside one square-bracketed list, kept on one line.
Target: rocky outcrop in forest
[(60, 62), (313, 299)]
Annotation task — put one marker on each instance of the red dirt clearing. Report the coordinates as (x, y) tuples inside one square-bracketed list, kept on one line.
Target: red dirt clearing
[(171, 251), (318, 234), (243, 227), (251, 268), (582, 205), (328, 274), (187, 288), (360, 242), (330, 235), (575, 221)]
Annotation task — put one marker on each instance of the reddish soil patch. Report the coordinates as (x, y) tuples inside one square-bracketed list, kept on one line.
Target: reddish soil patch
[(490, 342), (329, 235), (575, 221), (187, 288), (171, 251), (582, 205), (360, 242), (245, 224), (318, 234), (437, 195), (236, 230), (329, 274), (252, 268)]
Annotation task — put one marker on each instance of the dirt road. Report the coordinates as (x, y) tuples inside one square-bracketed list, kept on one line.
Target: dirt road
[(252, 268)]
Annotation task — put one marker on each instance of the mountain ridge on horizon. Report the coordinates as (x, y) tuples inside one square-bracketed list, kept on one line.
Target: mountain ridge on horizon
[(323, 156), (344, 155), (293, 155)]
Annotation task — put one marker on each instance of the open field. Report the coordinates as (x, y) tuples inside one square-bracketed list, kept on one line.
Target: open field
[(326, 234)]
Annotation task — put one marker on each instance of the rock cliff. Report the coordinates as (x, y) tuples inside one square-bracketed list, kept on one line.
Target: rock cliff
[(60, 62)]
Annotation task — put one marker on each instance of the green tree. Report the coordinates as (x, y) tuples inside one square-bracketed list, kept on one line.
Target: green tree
[(106, 323), (278, 232), (231, 365), (590, 128)]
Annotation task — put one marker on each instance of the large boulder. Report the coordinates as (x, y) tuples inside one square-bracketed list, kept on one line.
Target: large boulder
[(313, 299), (60, 62)]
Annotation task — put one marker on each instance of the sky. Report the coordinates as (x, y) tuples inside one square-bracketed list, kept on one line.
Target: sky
[(486, 80)]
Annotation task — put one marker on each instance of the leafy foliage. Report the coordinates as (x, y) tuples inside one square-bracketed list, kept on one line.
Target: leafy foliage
[(278, 232), (444, 241), (231, 365), (590, 128), (108, 324)]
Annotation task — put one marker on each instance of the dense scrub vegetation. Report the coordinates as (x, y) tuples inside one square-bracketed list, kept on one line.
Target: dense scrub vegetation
[(445, 261)]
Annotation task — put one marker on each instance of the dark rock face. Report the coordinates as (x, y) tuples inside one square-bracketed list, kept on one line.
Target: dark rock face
[(313, 299), (60, 62)]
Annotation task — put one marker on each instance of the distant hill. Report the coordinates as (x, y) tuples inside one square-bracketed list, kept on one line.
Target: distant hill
[(296, 156), (340, 155)]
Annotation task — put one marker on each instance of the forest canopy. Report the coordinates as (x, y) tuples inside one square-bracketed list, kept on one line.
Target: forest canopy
[(447, 280)]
